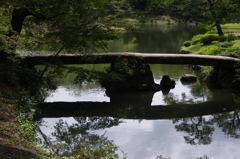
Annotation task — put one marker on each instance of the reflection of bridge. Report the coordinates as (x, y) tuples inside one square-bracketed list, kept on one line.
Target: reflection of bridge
[(133, 111), (150, 58)]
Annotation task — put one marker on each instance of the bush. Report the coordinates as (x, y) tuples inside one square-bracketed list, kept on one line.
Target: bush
[(231, 37), (225, 44), (211, 32), (187, 43), (209, 38), (196, 39), (164, 18), (233, 52), (222, 38), (211, 50)]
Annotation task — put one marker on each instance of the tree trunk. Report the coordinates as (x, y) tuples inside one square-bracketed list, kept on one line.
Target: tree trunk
[(18, 16), (219, 29)]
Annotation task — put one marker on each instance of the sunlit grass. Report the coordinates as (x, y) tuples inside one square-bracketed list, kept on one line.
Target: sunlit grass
[(200, 48), (231, 28), (236, 43)]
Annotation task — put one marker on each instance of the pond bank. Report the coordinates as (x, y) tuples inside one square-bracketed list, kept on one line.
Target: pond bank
[(13, 144)]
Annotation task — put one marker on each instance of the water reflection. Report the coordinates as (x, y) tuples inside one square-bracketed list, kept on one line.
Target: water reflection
[(171, 138), (200, 129), (160, 38), (69, 138), (190, 115)]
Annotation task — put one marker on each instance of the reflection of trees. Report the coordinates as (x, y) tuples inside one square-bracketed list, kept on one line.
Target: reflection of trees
[(71, 139), (230, 124), (159, 37), (197, 91), (199, 130)]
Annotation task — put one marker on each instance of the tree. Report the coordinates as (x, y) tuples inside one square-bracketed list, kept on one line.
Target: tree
[(72, 25), (147, 4), (213, 12), (218, 12)]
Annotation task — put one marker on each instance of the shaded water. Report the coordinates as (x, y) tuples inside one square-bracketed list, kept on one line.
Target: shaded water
[(188, 122), (154, 38)]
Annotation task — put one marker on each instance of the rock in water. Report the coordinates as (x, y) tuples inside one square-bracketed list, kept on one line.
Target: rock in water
[(132, 75), (188, 78), (167, 82)]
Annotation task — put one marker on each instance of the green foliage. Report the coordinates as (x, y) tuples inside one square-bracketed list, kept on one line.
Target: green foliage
[(211, 13), (104, 152), (210, 50), (231, 37), (233, 52), (220, 51), (209, 38), (27, 128), (121, 65), (187, 43), (222, 38), (225, 44), (163, 18), (83, 75), (26, 82), (196, 39), (237, 78), (211, 32), (84, 26)]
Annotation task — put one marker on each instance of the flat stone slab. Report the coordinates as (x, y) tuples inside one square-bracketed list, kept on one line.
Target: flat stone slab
[(150, 58)]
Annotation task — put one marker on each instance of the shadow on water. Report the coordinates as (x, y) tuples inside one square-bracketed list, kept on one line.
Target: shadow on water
[(135, 105)]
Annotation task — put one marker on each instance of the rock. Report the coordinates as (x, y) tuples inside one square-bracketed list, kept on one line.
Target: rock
[(222, 78), (167, 82), (184, 52), (188, 78), (133, 76)]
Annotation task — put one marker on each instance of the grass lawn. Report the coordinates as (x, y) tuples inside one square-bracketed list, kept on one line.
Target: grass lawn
[(231, 28), (227, 28)]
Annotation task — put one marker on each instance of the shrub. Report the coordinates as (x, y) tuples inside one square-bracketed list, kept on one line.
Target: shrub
[(222, 38), (142, 19), (225, 44), (209, 38), (231, 37), (164, 18), (187, 43), (233, 52), (211, 32), (196, 39), (211, 50), (168, 20)]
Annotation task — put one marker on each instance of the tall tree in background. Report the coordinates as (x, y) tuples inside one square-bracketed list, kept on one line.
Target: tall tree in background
[(212, 12), (218, 12), (147, 5)]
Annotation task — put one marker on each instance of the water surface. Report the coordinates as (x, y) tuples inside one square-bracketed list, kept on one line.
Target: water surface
[(187, 122)]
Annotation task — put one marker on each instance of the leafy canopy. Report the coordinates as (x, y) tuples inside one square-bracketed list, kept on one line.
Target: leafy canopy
[(77, 26)]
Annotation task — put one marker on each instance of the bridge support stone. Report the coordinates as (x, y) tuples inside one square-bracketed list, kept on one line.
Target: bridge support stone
[(131, 74), (222, 78)]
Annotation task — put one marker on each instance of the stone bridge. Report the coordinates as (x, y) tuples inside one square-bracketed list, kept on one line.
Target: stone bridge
[(150, 58)]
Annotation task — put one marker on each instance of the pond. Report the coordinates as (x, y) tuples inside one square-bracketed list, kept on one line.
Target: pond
[(187, 122)]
